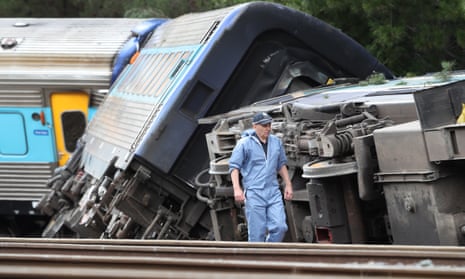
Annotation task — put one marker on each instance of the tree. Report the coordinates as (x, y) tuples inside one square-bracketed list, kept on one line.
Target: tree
[(416, 36), (413, 36)]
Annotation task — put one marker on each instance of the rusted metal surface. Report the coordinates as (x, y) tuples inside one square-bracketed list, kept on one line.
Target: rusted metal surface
[(91, 258)]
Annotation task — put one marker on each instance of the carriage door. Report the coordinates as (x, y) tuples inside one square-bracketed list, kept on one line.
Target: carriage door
[(69, 112)]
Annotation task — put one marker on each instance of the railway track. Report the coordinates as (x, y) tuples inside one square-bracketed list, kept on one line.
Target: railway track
[(93, 258)]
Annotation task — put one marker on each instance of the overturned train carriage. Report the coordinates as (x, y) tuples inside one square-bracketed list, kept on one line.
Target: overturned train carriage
[(139, 168), (369, 163)]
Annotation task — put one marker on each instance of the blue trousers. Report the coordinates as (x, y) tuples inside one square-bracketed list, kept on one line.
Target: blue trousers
[(266, 218)]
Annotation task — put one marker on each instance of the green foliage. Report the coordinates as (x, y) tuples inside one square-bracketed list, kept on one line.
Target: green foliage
[(374, 78), (32, 8), (409, 37), (346, 15), (415, 36), (445, 73), (97, 8)]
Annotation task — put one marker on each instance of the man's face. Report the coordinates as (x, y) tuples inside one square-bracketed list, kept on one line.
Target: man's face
[(262, 130)]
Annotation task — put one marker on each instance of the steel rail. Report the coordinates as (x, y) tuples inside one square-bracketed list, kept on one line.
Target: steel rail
[(77, 258), (449, 255)]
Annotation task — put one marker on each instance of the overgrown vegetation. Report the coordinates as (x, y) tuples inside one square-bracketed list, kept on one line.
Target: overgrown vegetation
[(375, 78), (445, 73)]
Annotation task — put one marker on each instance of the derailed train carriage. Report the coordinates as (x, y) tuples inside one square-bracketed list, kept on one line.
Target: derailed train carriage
[(370, 163), (54, 73), (144, 168), (134, 174)]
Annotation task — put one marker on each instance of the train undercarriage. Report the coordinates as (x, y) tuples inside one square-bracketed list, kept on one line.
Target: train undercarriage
[(376, 168)]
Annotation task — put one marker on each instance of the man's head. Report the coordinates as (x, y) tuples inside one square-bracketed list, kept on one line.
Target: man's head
[(262, 118), (262, 125)]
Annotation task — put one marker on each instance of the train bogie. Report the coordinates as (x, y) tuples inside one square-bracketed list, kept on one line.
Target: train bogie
[(382, 166)]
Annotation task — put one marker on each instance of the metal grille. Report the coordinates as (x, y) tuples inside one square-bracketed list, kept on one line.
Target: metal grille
[(21, 98), (120, 120), (131, 105), (25, 181), (152, 73), (97, 97), (194, 29)]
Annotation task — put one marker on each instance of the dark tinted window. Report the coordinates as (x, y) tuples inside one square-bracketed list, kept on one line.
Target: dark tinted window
[(74, 125)]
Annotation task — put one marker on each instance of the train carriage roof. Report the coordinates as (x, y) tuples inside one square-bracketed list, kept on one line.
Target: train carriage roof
[(61, 49)]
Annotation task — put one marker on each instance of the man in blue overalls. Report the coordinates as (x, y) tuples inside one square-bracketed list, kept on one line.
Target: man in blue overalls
[(259, 157)]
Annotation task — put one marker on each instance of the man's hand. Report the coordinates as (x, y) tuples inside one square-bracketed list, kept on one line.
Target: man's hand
[(239, 195), (288, 188), (288, 191)]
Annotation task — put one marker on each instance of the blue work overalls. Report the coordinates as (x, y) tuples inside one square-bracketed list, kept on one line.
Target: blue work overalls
[(263, 205)]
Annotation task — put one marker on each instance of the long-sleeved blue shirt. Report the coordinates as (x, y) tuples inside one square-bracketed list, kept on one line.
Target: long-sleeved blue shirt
[(259, 170)]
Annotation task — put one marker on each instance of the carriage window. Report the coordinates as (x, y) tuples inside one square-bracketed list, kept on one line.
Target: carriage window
[(13, 134), (74, 125), (195, 103)]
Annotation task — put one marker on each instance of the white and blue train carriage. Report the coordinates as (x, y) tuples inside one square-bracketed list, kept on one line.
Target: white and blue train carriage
[(54, 73)]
